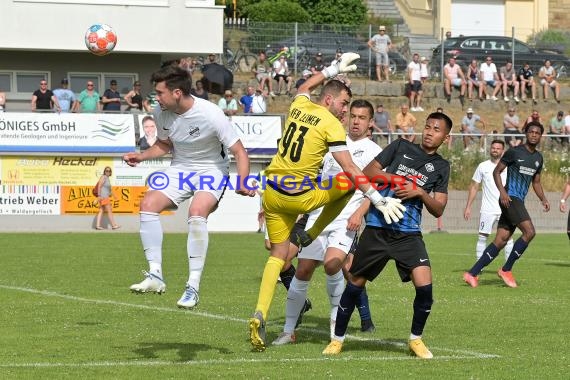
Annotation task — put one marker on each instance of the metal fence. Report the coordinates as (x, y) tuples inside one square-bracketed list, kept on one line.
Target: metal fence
[(304, 41)]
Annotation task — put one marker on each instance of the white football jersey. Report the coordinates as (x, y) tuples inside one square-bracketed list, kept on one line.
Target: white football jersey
[(484, 174), (362, 152), (200, 137)]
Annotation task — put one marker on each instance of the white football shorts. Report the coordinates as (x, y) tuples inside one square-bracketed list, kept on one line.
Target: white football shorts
[(487, 221), (334, 236)]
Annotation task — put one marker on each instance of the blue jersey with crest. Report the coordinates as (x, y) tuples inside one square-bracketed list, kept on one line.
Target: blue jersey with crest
[(428, 171), (522, 166)]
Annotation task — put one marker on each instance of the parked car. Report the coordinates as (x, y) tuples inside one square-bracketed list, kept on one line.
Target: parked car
[(500, 49), (309, 44)]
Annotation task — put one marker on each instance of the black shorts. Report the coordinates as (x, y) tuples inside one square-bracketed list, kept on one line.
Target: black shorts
[(416, 86), (376, 246), (513, 215)]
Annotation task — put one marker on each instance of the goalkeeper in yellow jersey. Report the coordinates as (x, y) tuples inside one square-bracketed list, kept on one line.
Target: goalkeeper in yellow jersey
[(311, 130)]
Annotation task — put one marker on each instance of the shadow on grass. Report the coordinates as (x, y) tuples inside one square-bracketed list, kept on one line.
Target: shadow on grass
[(562, 265), (185, 351)]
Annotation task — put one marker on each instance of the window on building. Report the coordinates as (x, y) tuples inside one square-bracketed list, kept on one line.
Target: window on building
[(5, 82)]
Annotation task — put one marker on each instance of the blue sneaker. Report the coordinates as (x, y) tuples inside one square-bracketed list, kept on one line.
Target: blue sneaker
[(189, 298)]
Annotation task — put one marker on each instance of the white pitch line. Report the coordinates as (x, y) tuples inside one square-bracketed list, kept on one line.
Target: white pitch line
[(155, 363), (464, 353)]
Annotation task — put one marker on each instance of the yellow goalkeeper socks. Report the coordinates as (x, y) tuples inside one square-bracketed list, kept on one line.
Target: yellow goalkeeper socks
[(268, 281)]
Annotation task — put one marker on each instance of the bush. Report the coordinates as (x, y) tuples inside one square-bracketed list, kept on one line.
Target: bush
[(554, 39), (277, 11)]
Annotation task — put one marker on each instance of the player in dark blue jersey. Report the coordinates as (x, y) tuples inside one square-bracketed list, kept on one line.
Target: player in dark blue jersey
[(413, 171), (524, 164)]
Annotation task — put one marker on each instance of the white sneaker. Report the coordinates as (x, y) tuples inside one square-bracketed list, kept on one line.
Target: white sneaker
[(189, 298), (151, 284), (419, 109), (516, 99), (506, 98), (488, 97), (494, 98), (283, 339), (413, 109), (272, 94)]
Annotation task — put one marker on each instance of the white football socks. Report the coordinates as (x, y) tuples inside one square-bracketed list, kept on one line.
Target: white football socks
[(296, 297), (335, 287), (481, 245), (509, 248), (197, 247), (151, 238)]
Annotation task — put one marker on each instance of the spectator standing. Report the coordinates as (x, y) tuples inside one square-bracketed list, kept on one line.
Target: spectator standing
[(65, 97), (512, 125), (526, 79), (469, 128), (150, 133), (258, 103), (490, 76), (381, 123), (104, 198), (134, 98), (281, 75), (200, 91), (474, 80), (262, 72), (43, 98), (2, 101), (381, 44), (228, 104), (88, 100), (547, 75), (415, 80), (454, 77), (557, 128), (111, 98), (533, 118), (509, 80), (405, 123), (246, 100), (424, 69)]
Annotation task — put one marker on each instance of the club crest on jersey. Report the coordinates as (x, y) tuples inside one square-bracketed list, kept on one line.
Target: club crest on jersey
[(358, 153), (429, 167), (194, 131)]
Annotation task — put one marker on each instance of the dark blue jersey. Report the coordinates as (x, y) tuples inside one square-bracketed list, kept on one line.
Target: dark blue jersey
[(428, 171), (522, 166)]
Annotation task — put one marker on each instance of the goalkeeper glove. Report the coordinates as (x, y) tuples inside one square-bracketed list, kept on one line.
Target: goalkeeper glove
[(391, 208), (345, 64)]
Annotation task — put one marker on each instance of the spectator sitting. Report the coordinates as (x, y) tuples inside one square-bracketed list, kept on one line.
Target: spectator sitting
[(281, 75), (65, 97), (511, 123), (381, 123), (558, 128), (405, 123), (526, 79), (262, 71), (509, 80), (258, 104), (547, 75), (317, 63), (454, 77), (474, 80), (534, 117), (305, 75), (43, 98), (134, 98), (246, 100), (490, 77), (469, 128), (199, 91), (228, 104)]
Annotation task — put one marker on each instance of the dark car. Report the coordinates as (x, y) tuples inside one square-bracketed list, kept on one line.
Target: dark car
[(327, 43), (500, 49)]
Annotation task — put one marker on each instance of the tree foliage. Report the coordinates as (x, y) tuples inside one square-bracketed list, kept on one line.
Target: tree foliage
[(277, 11), (343, 12)]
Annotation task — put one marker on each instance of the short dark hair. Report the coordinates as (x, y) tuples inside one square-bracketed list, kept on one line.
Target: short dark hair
[(497, 141), (334, 87), (444, 117), (147, 118), (174, 78), (361, 103), (534, 124)]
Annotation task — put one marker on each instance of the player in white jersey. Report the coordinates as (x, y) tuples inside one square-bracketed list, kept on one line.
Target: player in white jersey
[(490, 209), (198, 135), (332, 246)]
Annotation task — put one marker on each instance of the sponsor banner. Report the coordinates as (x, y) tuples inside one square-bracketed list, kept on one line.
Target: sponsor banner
[(77, 200), (125, 175), (259, 134), (58, 170), (66, 132), (29, 200)]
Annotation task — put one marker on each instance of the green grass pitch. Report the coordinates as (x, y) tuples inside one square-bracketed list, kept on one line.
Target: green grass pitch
[(67, 313)]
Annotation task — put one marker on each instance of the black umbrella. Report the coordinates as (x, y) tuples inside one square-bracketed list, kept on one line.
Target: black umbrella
[(217, 78)]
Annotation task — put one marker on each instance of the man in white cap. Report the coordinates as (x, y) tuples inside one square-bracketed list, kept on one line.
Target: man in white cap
[(380, 44), (470, 130)]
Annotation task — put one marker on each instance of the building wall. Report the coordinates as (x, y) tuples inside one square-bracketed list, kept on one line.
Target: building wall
[(162, 26), (558, 11), (417, 14)]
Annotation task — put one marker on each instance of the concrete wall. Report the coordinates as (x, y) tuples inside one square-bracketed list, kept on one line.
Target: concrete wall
[(417, 15)]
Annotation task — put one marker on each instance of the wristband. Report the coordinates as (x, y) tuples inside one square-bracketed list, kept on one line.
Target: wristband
[(562, 201), (374, 196)]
